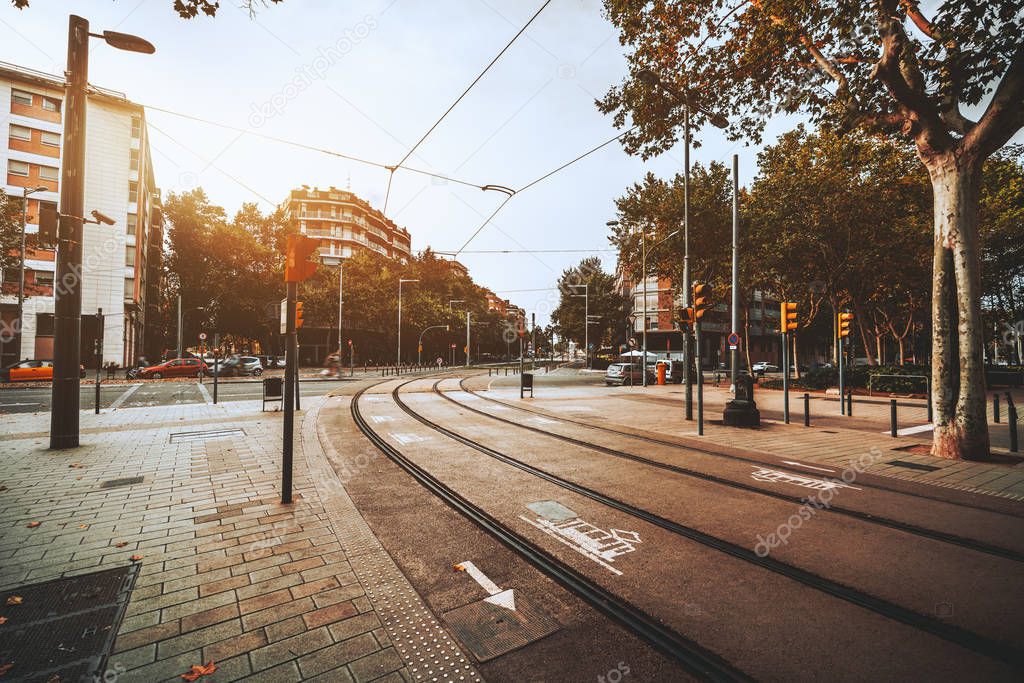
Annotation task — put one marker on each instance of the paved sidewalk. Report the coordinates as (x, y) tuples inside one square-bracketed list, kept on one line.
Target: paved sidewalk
[(268, 592), (659, 409)]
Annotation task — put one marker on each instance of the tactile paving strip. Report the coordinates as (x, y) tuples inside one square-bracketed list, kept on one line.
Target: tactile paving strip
[(429, 652)]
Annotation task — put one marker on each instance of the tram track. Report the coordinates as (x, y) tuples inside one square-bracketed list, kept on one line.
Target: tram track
[(954, 634), (686, 652)]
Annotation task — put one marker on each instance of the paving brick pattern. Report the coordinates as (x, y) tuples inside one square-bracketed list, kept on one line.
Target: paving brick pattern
[(228, 574)]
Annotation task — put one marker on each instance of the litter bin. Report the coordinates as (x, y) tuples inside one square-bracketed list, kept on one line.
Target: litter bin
[(526, 384), (273, 390), (661, 374)]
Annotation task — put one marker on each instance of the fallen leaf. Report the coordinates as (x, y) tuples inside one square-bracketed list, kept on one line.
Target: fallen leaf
[(458, 568), (3, 620), (33, 525), (83, 526), (14, 600), (77, 465), (135, 558), (121, 544), (198, 670), (3, 488), (4, 668)]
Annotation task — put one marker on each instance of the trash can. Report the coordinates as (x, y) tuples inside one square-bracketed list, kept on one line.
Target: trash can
[(661, 374), (273, 390), (526, 384)]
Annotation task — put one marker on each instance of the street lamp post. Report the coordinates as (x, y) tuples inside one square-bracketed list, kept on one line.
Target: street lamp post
[(419, 344), (21, 274), (67, 309), (401, 281)]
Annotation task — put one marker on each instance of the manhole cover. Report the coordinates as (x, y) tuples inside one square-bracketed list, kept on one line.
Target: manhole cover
[(127, 481), (203, 436), (913, 465), (552, 510), (64, 629), (489, 631)]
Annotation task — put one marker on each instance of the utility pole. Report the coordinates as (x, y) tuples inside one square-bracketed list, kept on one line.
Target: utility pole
[(179, 325), (734, 354), (341, 308), (290, 376), (687, 375), (467, 337), (99, 355), (67, 310), (643, 276), (533, 340)]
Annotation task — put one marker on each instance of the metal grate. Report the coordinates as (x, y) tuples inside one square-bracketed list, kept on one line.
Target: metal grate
[(64, 629), (180, 437), (127, 481), (489, 631)]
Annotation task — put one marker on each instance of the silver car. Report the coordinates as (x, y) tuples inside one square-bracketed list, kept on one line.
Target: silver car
[(624, 374)]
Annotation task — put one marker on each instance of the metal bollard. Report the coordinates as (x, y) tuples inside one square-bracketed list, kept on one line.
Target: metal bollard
[(849, 403), (1011, 421), (807, 410), (995, 407), (892, 418)]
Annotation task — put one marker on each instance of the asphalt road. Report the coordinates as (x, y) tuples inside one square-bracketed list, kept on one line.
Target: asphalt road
[(154, 393)]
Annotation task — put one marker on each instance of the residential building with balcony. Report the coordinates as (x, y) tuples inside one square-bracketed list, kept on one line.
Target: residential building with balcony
[(345, 224), (121, 263)]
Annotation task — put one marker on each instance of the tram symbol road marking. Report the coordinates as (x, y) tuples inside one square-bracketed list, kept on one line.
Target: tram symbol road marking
[(408, 438), (497, 597), (767, 475), (382, 418), (810, 467), (588, 540), (375, 399)]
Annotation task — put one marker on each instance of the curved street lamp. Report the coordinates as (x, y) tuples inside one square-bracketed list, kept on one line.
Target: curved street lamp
[(419, 344)]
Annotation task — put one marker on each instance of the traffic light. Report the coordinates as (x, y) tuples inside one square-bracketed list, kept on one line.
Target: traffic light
[(350, 342), (788, 321), (844, 324), (298, 249), (701, 300), (298, 314), (47, 224), (686, 315)]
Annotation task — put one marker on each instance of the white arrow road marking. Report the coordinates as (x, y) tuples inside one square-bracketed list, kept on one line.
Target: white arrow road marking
[(810, 467), (382, 418), (907, 431), (407, 438), (501, 598), (11, 405)]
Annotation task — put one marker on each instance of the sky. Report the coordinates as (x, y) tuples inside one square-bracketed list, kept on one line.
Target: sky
[(368, 79)]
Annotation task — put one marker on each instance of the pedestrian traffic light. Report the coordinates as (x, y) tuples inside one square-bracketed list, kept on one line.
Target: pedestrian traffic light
[(297, 250), (47, 224), (788, 321), (686, 315), (298, 314), (844, 324), (350, 342), (702, 295)]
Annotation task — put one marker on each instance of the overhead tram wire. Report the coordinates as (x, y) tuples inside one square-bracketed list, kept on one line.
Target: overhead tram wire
[(523, 251), (537, 180), (311, 148), (457, 100)]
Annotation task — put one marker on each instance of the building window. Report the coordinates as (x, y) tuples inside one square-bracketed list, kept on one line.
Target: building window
[(52, 139), (131, 224), (129, 288), (15, 167), (129, 256), (51, 104), (49, 172), (52, 206), (133, 193), (133, 159), (21, 132), (21, 97), (136, 127), (44, 324), (44, 278)]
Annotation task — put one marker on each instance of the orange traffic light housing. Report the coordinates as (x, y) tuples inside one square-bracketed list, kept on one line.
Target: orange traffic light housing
[(788, 322), (48, 222), (845, 319), (702, 302), (686, 315), (298, 314), (296, 266)]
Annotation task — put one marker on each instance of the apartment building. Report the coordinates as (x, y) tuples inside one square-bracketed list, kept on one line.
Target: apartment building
[(121, 263), (345, 224)]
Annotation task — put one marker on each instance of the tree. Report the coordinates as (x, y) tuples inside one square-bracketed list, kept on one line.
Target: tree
[(1002, 226), (604, 302), (10, 232), (189, 9), (880, 66)]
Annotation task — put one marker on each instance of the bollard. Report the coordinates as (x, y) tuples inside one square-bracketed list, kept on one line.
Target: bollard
[(1011, 421), (807, 410), (849, 404), (892, 418), (995, 407)]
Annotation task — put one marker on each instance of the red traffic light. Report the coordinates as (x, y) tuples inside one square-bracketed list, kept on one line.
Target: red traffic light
[(788, 321), (296, 266)]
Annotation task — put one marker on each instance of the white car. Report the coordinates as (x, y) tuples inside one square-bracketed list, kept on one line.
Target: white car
[(762, 367)]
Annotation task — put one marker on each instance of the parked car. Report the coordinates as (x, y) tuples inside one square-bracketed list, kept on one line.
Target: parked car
[(237, 366), (270, 362), (178, 367), (32, 371), (674, 370), (626, 374), (764, 366)]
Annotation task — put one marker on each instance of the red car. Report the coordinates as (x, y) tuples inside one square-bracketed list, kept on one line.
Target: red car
[(178, 367)]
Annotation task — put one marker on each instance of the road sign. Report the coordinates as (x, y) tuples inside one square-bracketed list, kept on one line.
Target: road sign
[(734, 339), (632, 342), (284, 316), (202, 336)]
